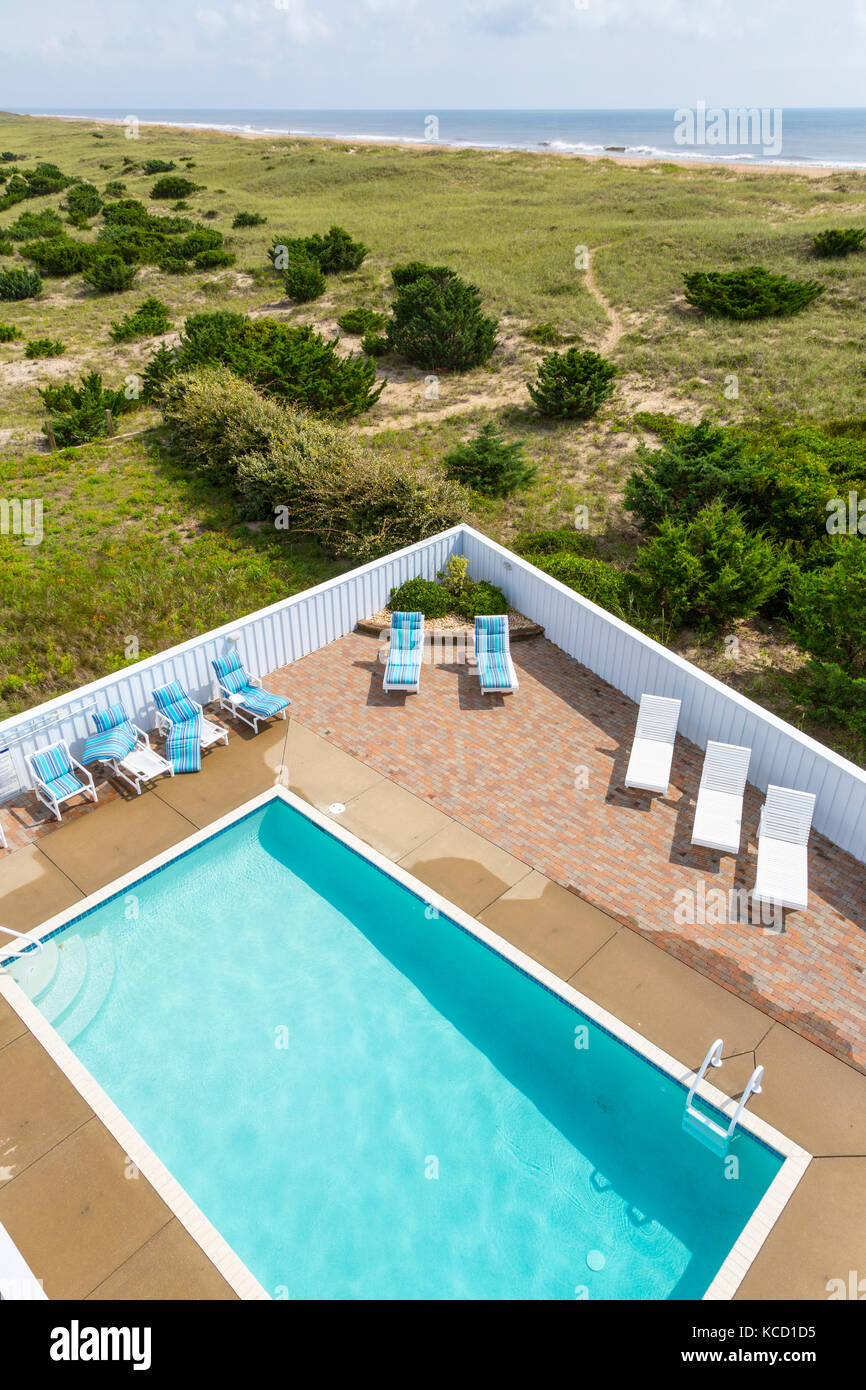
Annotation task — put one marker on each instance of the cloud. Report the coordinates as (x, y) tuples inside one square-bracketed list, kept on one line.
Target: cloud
[(212, 21), (511, 18)]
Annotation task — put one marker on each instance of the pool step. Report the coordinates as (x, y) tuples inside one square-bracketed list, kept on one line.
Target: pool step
[(66, 980), (98, 980), (35, 970)]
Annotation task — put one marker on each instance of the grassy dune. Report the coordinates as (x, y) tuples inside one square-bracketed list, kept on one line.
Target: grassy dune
[(511, 223)]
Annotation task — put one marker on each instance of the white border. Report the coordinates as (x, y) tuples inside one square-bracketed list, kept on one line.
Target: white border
[(232, 1268)]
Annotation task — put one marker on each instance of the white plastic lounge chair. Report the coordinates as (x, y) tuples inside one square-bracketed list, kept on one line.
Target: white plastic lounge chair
[(493, 656), (124, 749), (405, 652), (3, 838), (187, 732), (241, 694), (649, 767), (783, 857), (719, 812), (56, 777)]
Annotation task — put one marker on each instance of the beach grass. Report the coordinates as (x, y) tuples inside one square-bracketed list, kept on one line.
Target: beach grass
[(515, 224)]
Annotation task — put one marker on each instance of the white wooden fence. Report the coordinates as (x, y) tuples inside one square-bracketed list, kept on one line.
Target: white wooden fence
[(633, 663)]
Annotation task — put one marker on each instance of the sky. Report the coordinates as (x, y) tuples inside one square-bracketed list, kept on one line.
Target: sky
[(433, 54)]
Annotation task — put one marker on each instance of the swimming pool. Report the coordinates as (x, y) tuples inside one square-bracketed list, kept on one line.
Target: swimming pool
[(367, 1100)]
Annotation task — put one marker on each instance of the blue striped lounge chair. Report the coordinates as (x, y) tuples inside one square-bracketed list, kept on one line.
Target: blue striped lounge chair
[(186, 730), (124, 749), (242, 695), (56, 777), (405, 651), (493, 656)]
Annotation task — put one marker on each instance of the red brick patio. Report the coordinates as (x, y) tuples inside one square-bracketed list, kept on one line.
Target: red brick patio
[(541, 774)]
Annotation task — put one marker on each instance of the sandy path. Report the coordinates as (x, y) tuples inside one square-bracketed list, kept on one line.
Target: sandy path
[(616, 327)]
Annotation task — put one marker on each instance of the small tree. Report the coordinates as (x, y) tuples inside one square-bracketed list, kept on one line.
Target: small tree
[(147, 321), (361, 321), (83, 200), (709, 570), (697, 465), (110, 274), (838, 241), (828, 608), (572, 385), (174, 186), (489, 463), (749, 294), (20, 284), (304, 280), (437, 322)]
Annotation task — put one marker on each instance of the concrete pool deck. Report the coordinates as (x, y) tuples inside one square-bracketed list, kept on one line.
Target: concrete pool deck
[(89, 1231)]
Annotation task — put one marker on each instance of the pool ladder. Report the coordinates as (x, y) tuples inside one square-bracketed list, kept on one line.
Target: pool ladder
[(701, 1126), (14, 952)]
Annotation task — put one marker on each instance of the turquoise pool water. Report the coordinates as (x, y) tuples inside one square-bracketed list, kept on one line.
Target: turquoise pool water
[(367, 1102)]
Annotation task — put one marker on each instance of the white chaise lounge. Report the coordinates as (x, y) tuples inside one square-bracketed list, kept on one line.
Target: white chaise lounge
[(649, 767), (719, 812), (57, 777), (405, 653), (783, 856)]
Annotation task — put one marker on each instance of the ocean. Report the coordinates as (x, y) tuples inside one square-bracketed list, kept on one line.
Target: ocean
[(816, 137)]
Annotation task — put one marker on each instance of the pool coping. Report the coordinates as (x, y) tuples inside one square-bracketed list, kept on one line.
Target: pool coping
[(741, 1255)]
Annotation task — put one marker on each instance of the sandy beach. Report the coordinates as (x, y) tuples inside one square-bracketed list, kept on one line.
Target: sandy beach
[(428, 147)]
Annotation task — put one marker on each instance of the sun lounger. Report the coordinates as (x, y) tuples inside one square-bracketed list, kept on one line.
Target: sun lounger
[(186, 730), (493, 656), (719, 812), (124, 748), (405, 652), (3, 838), (56, 777), (649, 767), (242, 695), (783, 857)]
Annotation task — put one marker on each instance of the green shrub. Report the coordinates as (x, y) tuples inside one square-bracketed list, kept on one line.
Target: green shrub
[(174, 186), (547, 334), (20, 284), (374, 344), (303, 279), (158, 166), (147, 321), (709, 570), (828, 608), (46, 223), (34, 183), (160, 370), (597, 580), (8, 334), (489, 463), (699, 464), (361, 321), (198, 240), (416, 270), (7, 247), (128, 212), (827, 692), (83, 200), (110, 274), (44, 347), (572, 385), (213, 259), (60, 256), (284, 360), (438, 322), (334, 253), (657, 422), (421, 596), (749, 294), (838, 241), (115, 189), (480, 599), (248, 219), (78, 412), (214, 418)]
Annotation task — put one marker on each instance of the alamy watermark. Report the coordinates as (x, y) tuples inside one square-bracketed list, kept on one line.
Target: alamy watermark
[(22, 517), (847, 516), (738, 125)]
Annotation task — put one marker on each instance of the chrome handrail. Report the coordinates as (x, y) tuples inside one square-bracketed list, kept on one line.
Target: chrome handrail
[(14, 953)]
